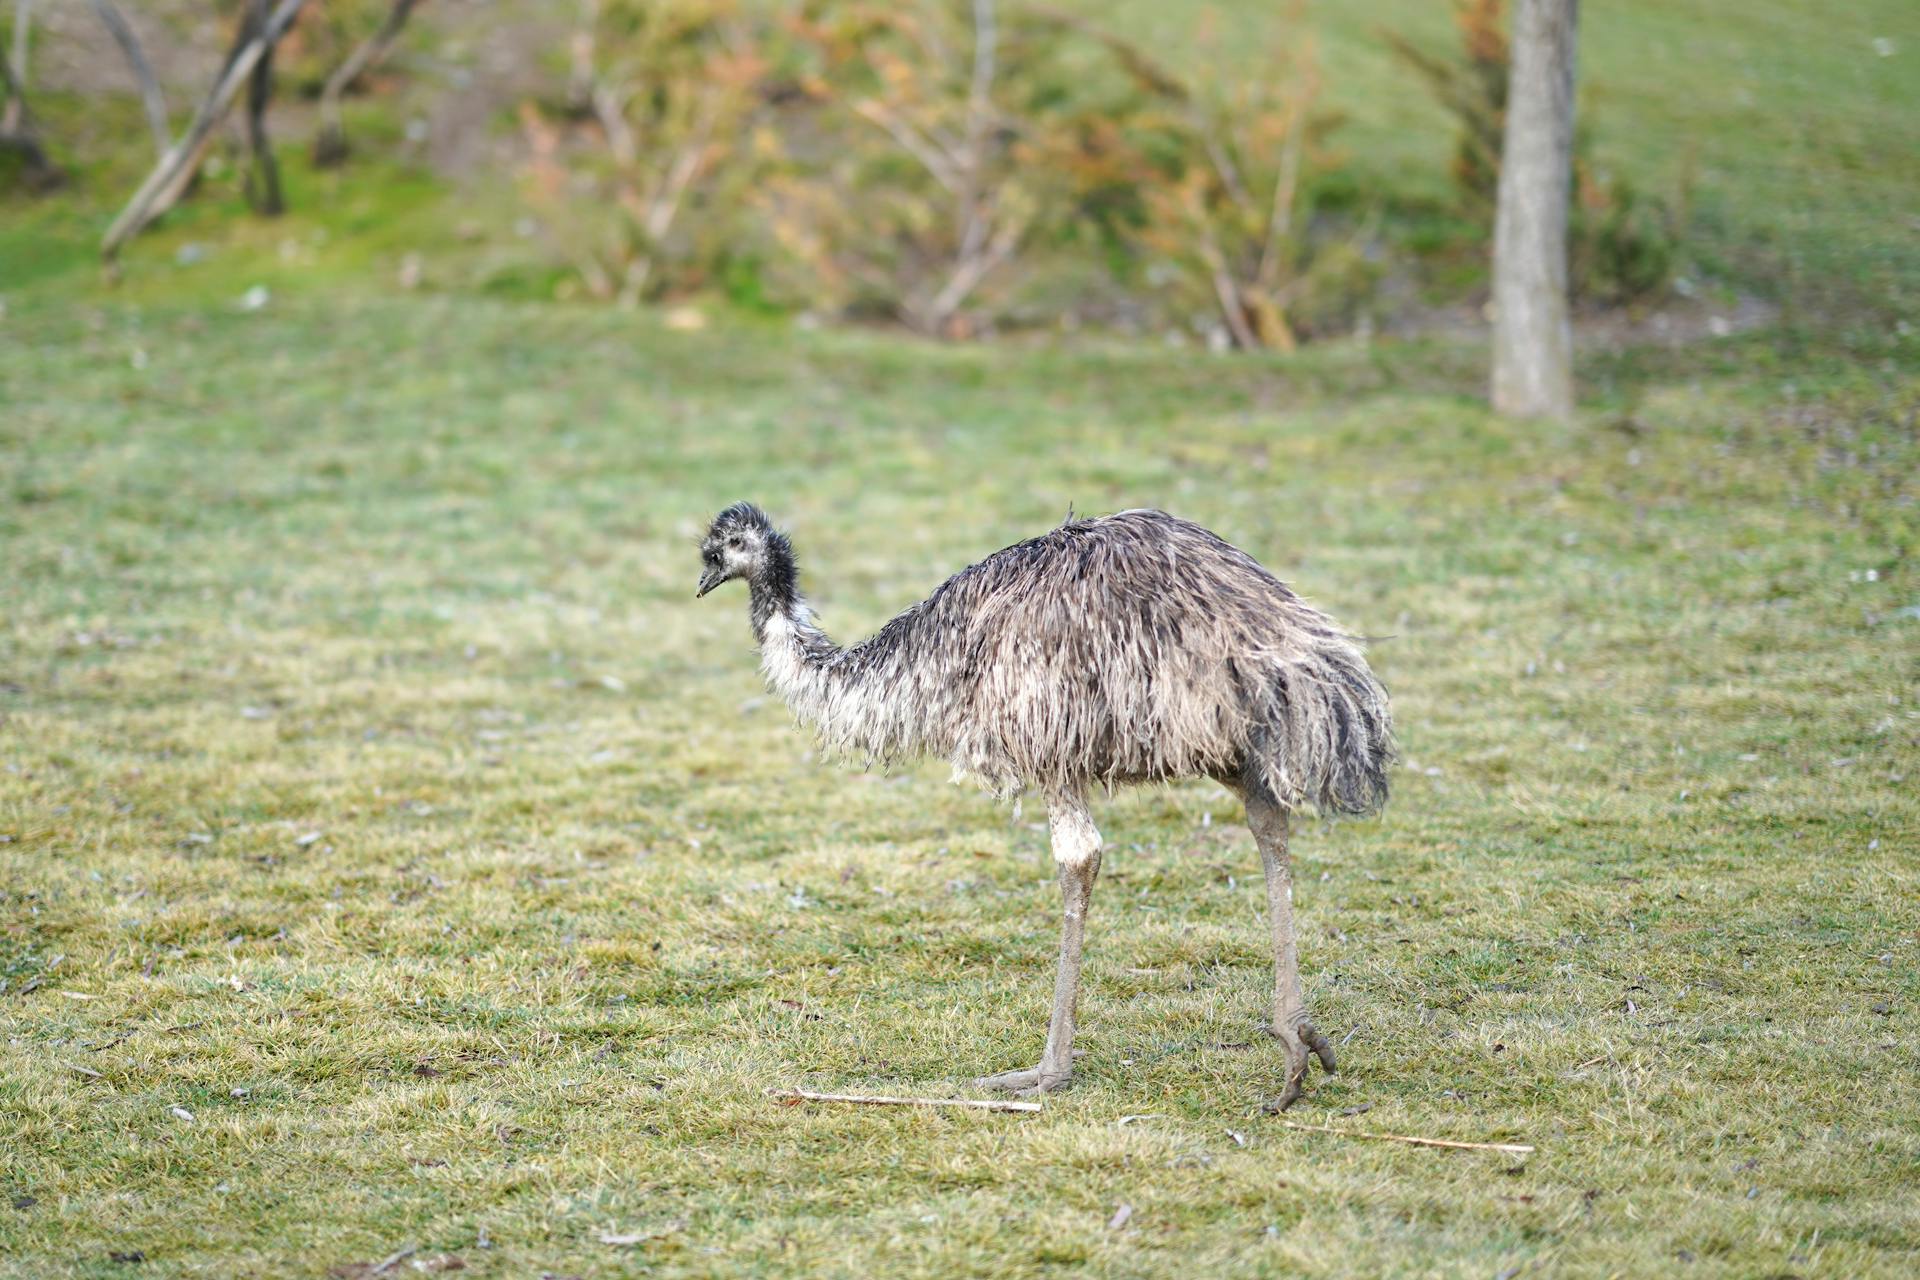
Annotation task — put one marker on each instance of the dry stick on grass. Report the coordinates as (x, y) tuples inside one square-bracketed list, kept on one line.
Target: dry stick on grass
[(393, 1260), (330, 147), (793, 1097), (1511, 1148), (151, 98), (171, 174)]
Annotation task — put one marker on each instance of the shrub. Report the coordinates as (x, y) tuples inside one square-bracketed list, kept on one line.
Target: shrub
[(1472, 85), (1621, 245), (1227, 200), (943, 140), (642, 195)]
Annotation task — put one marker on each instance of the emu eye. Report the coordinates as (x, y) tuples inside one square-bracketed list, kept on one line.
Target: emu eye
[(736, 542)]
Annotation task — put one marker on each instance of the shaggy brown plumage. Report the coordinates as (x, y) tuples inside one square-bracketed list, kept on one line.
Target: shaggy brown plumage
[(1136, 647)]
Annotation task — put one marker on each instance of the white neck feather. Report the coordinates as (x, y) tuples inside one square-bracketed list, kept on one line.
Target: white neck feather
[(837, 692)]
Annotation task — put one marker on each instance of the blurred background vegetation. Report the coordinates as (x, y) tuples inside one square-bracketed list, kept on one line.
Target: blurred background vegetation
[(1233, 175)]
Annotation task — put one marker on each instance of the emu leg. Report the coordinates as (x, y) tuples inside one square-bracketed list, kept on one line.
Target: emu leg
[(1076, 851), (1290, 1026)]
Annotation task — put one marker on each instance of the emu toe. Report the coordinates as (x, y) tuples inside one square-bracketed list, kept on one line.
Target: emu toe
[(1302, 1042), (1027, 1083)]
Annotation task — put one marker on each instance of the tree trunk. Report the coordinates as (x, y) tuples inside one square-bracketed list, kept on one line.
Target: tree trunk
[(1532, 335)]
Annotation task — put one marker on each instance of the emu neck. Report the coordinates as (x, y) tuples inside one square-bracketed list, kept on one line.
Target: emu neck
[(858, 708), (775, 595), (790, 640), (797, 658)]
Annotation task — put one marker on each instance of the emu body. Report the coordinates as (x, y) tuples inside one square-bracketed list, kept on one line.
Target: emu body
[(1129, 648)]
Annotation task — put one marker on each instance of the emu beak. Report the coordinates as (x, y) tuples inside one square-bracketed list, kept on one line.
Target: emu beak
[(708, 581)]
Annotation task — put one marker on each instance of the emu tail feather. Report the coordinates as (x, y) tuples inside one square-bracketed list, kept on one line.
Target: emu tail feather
[(1325, 735)]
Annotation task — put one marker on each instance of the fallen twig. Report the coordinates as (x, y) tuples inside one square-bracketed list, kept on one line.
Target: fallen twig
[(394, 1259), (1511, 1148), (793, 1097), (643, 1237)]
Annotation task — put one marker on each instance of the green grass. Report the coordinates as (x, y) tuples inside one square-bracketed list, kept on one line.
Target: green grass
[(413, 578), (411, 575), (352, 227)]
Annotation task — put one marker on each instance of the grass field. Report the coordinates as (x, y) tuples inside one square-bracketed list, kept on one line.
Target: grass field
[(376, 795), (394, 856)]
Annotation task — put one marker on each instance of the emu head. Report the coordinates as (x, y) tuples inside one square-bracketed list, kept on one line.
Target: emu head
[(742, 543)]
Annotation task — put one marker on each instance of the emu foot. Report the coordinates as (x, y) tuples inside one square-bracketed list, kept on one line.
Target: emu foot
[(1028, 1083), (1301, 1041)]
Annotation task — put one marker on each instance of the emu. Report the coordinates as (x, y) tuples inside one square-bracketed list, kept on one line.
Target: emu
[(1129, 648)]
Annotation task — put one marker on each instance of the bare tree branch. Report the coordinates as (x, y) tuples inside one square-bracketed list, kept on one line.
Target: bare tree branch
[(13, 118), (973, 157), (151, 97), (1222, 158), (263, 176), (923, 150), (17, 129), (686, 166), (657, 210), (183, 180), (986, 240), (610, 108), (969, 271), (176, 168), (17, 67), (330, 147), (1145, 71), (1233, 309), (581, 78), (1286, 186)]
